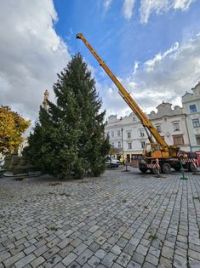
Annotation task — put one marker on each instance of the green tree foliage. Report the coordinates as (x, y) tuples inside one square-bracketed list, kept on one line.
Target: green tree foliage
[(69, 137), (12, 127)]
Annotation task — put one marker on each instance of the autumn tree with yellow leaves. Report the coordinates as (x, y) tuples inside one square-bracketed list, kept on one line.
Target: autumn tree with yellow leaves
[(12, 126)]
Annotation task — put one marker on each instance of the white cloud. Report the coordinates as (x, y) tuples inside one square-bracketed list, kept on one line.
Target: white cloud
[(176, 71), (112, 102), (147, 7), (31, 53), (107, 4), (127, 8), (182, 4), (164, 78), (136, 66), (160, 6), (150, 64)]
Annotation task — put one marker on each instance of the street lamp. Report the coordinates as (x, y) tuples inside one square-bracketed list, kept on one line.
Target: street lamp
[(122, 144)]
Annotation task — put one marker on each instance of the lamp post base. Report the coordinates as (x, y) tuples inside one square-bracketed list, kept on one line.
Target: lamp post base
[(183, 178)]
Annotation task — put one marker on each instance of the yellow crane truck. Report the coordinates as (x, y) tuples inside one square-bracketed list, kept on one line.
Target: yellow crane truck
[(157, 152)]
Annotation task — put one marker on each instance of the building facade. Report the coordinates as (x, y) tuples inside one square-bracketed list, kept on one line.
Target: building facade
[(129, 137), (191, 107), (126, 135), (172, 125)]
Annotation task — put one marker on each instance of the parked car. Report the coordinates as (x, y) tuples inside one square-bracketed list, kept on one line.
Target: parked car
[(112, 162)]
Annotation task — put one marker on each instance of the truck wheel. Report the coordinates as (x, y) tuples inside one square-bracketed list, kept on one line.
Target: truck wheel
[(192, 167), (166, 168), (143, 170), (177, 168)]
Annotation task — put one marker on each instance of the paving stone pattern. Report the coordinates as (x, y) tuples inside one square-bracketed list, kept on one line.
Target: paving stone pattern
[(123, 219)]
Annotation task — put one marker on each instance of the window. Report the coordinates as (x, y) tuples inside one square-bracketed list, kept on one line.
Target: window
[(112, 133), (134, 119), (129, 135), (142, 133), (119, 144), (193, 108), (158, 128), (113, 145), (178, 139), (142, 144), (176, 126), (129, 145), (198, 139), (118, 133), (195, 123)]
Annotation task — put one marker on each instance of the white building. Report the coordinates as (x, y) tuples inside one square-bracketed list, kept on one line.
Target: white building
[(126, 134), (172, 125), (191, 106), (129, 137)]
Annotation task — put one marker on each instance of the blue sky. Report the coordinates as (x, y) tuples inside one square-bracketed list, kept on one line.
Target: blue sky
[(125, 39), (152, 46), (119, 40)]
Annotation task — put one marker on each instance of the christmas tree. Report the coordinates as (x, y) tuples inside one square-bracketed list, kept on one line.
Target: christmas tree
[(69, 138)]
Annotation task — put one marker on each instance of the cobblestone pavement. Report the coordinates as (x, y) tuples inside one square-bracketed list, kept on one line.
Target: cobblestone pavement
[(123, 219)]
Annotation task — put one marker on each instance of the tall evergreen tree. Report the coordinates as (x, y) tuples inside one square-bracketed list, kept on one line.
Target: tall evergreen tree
[(69, 137)]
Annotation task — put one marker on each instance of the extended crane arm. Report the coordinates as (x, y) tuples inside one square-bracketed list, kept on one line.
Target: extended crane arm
[(125, 95)]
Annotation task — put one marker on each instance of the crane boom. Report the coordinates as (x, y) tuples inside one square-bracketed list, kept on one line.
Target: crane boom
[(126, 96)]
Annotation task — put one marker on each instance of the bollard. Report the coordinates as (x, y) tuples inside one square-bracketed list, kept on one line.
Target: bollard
[(157, 168), (126, 170), (183, 173)]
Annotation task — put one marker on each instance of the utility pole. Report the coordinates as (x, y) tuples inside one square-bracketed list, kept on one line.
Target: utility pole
[(122, 130)]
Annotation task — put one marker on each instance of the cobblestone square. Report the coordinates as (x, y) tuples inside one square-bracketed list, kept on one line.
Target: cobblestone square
[(123, 219)]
